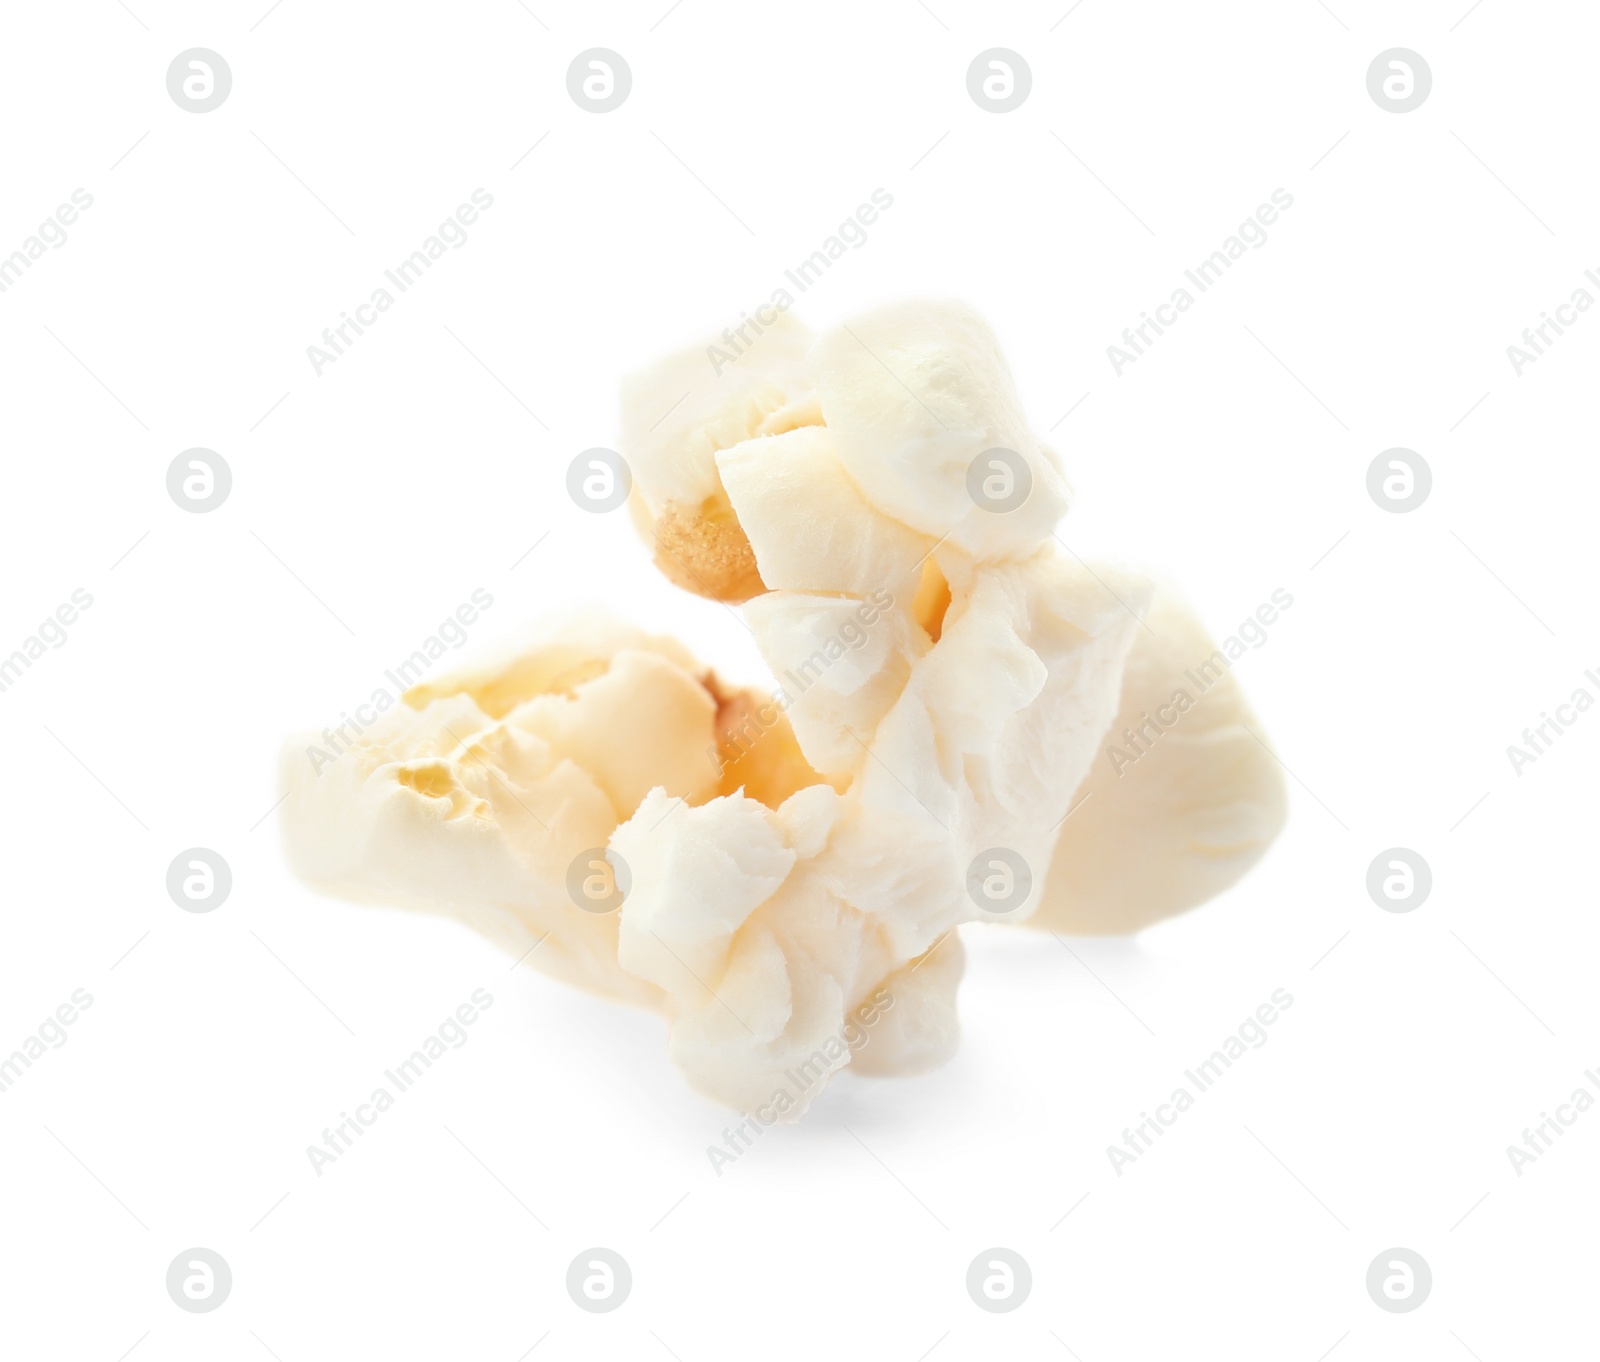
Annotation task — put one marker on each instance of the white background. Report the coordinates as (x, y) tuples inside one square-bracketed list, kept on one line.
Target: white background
[(370, 501)]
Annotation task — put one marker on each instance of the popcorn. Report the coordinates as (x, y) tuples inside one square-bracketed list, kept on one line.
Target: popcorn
[(1186, 820), (934, 754)]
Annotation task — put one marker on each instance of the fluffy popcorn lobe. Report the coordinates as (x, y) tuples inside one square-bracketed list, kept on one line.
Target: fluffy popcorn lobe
[(782, 872)]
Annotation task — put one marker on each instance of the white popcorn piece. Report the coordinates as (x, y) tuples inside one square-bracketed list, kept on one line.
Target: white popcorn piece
[(676, 417), (809, 525), (798, 865), (474, 794), (913, 394), (1177, 811)]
